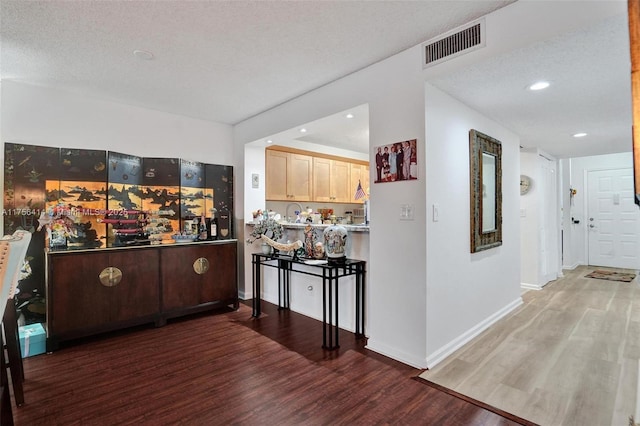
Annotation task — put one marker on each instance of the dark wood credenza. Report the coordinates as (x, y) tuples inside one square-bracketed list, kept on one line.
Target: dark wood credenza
[(156, 283)]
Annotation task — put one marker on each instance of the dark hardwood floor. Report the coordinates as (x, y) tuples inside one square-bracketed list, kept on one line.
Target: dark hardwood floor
[(229, 368)]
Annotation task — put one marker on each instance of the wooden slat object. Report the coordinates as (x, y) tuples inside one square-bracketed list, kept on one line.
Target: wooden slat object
[(634, 41), (231, 368), (13, 249), (6, 411), (14, 355)]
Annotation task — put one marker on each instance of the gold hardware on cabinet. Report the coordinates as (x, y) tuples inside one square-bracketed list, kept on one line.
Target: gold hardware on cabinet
[(110, 276), (201, 265)]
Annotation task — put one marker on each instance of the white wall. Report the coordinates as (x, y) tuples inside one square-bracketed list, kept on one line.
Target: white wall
[(254, 163), (47, 117), (42, 116), (465, 291), (396, 272), (575, 235)]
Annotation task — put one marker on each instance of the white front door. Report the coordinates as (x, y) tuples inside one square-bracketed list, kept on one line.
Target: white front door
[(613, 220)]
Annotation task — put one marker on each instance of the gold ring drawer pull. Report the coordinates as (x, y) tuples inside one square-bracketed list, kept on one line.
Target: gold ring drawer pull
[(110, 276), (201, 265)]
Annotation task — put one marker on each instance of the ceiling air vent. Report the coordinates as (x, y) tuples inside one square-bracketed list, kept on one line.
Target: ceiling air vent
[(454, 43)]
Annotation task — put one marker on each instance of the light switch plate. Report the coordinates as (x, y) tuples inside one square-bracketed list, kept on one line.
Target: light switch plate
[(255, 180), (406, 211)]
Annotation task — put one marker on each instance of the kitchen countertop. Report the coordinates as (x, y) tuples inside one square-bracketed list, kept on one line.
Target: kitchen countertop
[(351, 228)]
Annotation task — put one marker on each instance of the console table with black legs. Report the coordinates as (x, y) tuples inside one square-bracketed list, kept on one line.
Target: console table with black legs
[(330, 274)]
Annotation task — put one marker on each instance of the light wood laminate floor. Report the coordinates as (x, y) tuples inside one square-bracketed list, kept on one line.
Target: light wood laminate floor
[(568, 356)]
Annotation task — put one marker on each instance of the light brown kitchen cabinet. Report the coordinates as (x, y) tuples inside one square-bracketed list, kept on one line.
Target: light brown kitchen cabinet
[(341, 182), (359, 173), (321, 173), (297, 175), (331, 182), (288, 176)]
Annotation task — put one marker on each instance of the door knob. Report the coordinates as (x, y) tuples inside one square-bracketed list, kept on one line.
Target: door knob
[(591, 225)]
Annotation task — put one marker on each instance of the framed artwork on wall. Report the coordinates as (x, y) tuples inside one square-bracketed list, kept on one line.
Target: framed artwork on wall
[(396, 162)]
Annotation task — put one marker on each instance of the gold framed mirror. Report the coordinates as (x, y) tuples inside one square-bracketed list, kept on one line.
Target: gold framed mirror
[(485, 167)]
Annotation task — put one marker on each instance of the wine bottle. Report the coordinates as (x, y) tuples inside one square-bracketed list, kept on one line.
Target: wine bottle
[(202, 231), (213, 228)]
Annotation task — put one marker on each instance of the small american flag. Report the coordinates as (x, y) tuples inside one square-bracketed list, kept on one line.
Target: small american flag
[(359, 192)]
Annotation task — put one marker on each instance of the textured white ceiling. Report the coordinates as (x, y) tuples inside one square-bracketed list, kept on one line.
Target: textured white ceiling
[(589, 72), (336, 131), (217, 60), (226, 61)]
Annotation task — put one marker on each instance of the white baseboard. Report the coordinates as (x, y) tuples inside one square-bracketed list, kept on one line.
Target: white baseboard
[(396, 354), (440, 354), (245, 295), (274, 300), (571, 267), (548, 282), (527, 286)]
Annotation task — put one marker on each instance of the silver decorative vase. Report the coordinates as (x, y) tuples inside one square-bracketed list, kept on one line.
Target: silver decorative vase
[(266, 249)]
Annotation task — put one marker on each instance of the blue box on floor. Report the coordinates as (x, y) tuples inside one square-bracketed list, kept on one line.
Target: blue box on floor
[(33, 340)]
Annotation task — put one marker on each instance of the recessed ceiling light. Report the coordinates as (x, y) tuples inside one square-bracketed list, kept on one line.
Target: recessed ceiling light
[(143, 54), (303, 130), (579, 135), (349, 116), (269, 141), (539, 85)]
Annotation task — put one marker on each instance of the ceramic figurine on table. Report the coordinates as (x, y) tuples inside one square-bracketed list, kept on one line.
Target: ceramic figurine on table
[(309, 237), (318, 250)]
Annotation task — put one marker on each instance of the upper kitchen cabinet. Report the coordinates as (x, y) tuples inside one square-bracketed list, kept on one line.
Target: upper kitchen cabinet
[(288, 176), (296, 175), (331, 180), (359, 173)]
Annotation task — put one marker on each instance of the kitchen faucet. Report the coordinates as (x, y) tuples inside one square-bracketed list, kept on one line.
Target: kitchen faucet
[(286, 213)]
